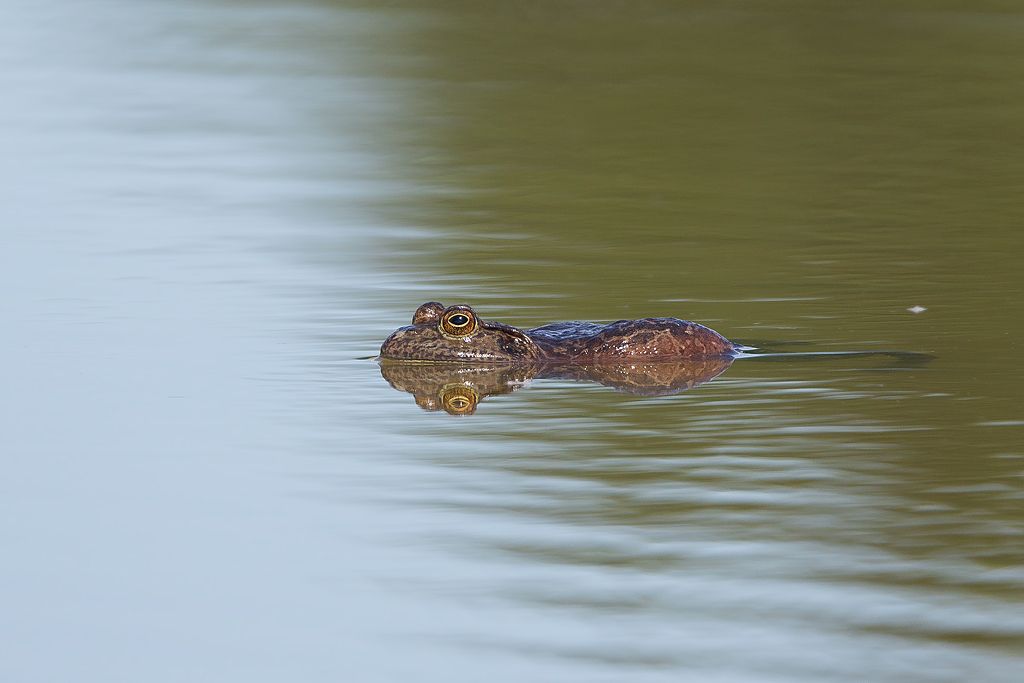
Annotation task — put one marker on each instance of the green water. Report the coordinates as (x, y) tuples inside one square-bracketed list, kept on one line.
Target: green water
[(218, 210)]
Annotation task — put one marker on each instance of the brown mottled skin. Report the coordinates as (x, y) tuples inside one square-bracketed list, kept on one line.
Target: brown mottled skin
[(457, 334)]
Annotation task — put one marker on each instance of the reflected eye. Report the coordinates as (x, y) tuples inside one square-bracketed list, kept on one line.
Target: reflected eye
[(459, 400), (459, 403), (458, 323)]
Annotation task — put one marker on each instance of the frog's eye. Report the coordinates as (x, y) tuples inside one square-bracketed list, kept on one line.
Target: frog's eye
[(460, 322), (459, 400), (427, 313), (458, 404)]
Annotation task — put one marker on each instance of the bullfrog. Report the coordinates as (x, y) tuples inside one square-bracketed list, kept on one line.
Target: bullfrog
[(458, 334)]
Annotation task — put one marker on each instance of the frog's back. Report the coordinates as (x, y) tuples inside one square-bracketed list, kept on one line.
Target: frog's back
[(624, 340)]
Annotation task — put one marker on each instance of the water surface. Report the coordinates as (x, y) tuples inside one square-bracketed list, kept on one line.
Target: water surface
[(214, 212)]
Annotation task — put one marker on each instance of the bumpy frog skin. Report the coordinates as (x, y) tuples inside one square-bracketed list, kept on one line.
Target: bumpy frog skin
[(457, 334)]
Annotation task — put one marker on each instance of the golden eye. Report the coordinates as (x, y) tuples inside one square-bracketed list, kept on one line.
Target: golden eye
[(458, 322), (459, 399), (459, 403)]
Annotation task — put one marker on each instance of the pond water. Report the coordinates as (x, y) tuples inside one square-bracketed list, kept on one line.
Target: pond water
[(214, 212)]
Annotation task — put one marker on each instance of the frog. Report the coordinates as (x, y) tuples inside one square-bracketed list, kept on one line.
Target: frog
[(440, 333)]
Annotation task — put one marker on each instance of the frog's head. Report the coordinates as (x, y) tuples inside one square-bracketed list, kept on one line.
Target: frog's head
[(456, 333)]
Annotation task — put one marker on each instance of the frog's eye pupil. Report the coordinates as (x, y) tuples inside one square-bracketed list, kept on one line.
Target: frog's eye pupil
[(459, 323)]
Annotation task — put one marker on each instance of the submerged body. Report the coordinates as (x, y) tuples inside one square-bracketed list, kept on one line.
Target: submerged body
[(457, 334)]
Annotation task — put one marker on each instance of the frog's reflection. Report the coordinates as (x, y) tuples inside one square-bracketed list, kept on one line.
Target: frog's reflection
[(458, 389)]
